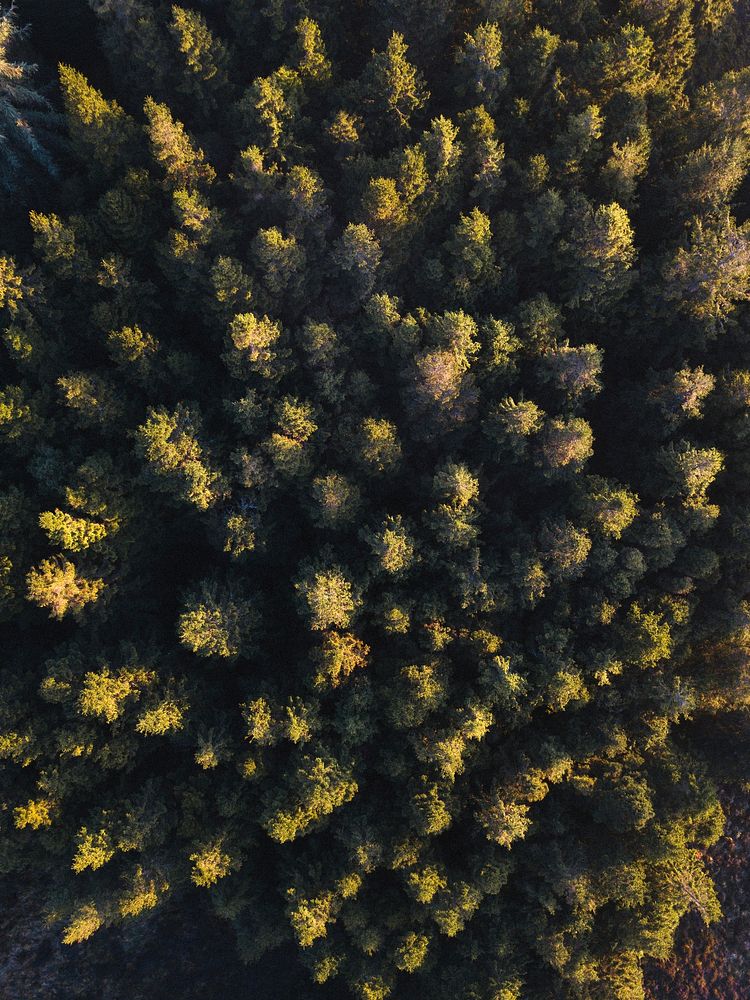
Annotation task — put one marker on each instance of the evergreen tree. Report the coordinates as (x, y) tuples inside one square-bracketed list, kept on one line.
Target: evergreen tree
[(28, 122), (373, 498)]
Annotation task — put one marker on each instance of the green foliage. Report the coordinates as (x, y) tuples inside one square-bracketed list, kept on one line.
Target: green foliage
[(601, 256), (183, 164), (204, 57), (210, 864), (327, 598), (313, 63), (216, 623), (393, 85), (93, 851), (28, 122), (56, 584), (373, 517), (84, 922), (481, 55), (169, 444), (103, 694), (712, 273), (99, 129), (319, 786)]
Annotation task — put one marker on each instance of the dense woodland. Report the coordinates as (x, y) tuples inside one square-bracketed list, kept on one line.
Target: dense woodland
[(375, 434)]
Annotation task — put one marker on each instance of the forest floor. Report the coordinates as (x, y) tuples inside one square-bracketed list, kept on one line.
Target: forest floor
[(185, 952), (713, 963)]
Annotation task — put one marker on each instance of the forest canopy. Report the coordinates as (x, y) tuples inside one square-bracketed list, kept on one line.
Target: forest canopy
[(374, 536)]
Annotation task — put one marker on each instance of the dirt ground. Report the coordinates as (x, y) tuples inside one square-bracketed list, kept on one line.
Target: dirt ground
[(713, 963)]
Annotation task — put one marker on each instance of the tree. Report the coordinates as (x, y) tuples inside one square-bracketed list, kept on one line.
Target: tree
[(57, 585), (59, 243), (457, 489), (340, 654), (169, 443), (481, 58), (709, 176), (210, 864), (216, 624), (104, 694), (689, 470), (70, 532), (392, 546), (204, 57), (625, 166), (358, 254), (574, 371), (366, 436), (135, 42), (28, 122), (320, 785), (101, 132), (313, 63), (711, 273), (566, 443), (337, 501), (600, 255), (271, 106), (327, 597), (613, 509), (472, 257), (280, 262), (183, 164), (252, 342), (392, 86), (379, 447)]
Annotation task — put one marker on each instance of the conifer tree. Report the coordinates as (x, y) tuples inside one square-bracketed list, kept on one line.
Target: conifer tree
[(99, 129), (28, 122), (373, 488)]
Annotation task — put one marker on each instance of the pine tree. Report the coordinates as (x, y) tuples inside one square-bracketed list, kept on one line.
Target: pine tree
[(393, 85), (28, 122), (100, 130), (373, 519), (183, 164), (204, 57)]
